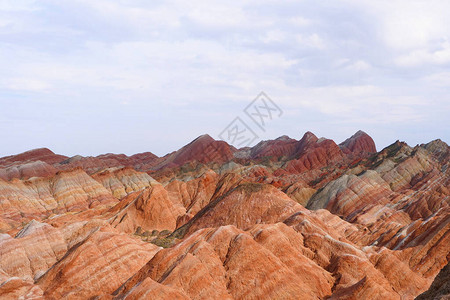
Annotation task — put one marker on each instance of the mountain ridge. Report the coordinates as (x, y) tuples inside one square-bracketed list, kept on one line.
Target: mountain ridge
[(306, 218)]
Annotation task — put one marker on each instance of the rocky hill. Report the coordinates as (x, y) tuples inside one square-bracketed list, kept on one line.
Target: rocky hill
[(285, 219)]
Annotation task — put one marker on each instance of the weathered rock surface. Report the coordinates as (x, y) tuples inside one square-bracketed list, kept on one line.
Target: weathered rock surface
[(40, 197), (99, 265), (142, 161), (203, 149), (314, 153), (16, 288), (244, 206), (282, 146), (28, 170), (123, 181), (150, 209), (33, 163), (227, 263), (360, 143), (32, 252), (191, 196), (350, 194), (221, 223), (300, 192), (440, 288), (41, 154)]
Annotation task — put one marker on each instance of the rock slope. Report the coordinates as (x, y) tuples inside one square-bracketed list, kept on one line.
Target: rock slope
[(285, 219)]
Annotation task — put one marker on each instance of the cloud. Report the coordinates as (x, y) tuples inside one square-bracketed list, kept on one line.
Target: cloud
[(15, 6), (440, 56), (359, 62), (406, 24), (26, 84), (441, 79)]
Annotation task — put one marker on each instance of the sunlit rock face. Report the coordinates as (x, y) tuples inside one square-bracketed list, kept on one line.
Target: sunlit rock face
[(285, 219), (360, 144), (123, 181)]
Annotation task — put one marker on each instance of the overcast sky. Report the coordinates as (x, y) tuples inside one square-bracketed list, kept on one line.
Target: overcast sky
[(90, 77)]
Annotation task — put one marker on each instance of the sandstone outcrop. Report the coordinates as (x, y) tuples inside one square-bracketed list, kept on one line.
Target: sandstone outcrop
[(282, 146), (123, 181), (440, 288), (285, 219), (40, 197), (203, 149), (28, 170), (149, 209), (117, 257), (243, 206), (142, 161), (360, 144), (41, 154), (313, 153)]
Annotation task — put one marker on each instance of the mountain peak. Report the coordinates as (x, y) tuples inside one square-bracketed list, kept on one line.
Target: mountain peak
[(283, 138), (203, 149), (309, 137), (204, 138), (42, 154), (39, 150), (358, 143), (359, 133)]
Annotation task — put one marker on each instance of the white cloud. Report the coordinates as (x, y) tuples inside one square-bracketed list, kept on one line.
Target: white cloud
[(358, 66), (311, 40), (300, 21), (352, 65), (405, 24), (215, 16), (274, 36), (440, 79), (440, 56), (357, 61), (25, 84), (16, 6)]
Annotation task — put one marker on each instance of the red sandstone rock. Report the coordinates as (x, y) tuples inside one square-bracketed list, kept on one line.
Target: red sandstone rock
[(313, 153), (28, 170), (16, 288), (376, 221), (32, 252), (226, 263), (300, 192), (123, 181), (245, 205), (142, 161), (191, 196), (203, 149), (360, 144), (41, 154), (150, 209), (440, 288), (40, 197), (282, 146), (350, 194), (97, 266)]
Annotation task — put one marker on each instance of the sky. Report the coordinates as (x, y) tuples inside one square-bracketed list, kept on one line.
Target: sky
[(90, 77)]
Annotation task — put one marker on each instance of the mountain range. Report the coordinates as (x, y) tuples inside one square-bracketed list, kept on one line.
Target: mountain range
[(284, 219)]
